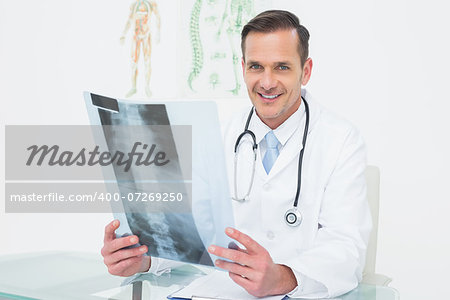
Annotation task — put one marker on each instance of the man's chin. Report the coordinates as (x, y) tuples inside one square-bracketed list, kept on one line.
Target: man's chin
[(268, 114)]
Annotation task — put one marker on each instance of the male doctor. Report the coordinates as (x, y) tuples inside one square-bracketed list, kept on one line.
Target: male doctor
[(324, 255)]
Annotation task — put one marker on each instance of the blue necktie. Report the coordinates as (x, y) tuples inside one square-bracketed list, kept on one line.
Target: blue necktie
[(272, 151)]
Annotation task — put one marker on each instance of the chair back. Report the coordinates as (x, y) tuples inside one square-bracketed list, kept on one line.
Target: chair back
[(373, 195)]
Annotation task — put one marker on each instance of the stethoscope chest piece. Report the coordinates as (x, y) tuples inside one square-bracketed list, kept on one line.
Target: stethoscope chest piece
[(293, 217)]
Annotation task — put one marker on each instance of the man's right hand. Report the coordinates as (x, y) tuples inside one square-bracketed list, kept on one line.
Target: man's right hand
[(123, 262)]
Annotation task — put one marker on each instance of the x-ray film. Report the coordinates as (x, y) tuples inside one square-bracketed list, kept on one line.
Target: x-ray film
[(169, 174)]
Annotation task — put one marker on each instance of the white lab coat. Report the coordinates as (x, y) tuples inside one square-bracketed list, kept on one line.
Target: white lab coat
[(327, 251)]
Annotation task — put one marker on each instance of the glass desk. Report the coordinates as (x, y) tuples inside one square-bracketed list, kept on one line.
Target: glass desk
[(68, 275)]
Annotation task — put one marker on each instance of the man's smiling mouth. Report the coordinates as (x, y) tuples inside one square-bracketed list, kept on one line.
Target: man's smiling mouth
[(269, 97)]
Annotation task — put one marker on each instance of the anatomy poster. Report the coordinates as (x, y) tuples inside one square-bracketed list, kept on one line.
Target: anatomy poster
[(211, 35)]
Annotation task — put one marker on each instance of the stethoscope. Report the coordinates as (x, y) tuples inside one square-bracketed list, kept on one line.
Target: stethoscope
[(293, 216)]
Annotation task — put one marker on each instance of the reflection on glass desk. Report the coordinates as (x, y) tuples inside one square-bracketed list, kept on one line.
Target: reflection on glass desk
[(68, 275)]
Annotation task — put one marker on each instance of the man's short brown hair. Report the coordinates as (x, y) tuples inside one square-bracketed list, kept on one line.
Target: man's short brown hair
[(274, 20)]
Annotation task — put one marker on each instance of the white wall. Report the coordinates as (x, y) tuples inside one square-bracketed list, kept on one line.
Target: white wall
[(382, 64)]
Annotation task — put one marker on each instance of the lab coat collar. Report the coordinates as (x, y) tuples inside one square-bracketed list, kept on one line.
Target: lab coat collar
[(287, 129)]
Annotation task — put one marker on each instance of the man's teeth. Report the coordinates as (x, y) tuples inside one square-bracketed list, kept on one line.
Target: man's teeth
[(268, 96)]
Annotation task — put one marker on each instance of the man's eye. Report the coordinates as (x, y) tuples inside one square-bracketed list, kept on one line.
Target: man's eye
[(283, 68), (255, 67)]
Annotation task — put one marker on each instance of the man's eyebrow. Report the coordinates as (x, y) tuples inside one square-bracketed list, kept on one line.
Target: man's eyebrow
[(252, 62), (282, 63), (278, 63)]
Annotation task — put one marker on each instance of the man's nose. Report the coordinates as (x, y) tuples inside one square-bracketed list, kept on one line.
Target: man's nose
[(268, 80)]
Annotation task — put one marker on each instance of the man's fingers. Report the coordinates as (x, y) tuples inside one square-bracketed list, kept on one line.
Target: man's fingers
[(251, 245), (117, 244), (234, 246), (233, 255), (124, 254), (110, 231), (242, 281), (234, 268), (120, 243), (120, 267)]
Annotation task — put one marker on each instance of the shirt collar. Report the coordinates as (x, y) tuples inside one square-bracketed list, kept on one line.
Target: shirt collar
[(282, 132)]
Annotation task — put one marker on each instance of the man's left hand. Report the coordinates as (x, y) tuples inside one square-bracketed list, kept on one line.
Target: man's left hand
[(253, 268)]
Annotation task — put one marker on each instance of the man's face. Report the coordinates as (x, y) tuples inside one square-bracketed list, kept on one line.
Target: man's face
[(273, 74)]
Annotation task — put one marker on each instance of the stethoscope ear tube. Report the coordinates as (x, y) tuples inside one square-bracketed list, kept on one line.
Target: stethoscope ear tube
[(247, 194), (300, 158), (238, 141)]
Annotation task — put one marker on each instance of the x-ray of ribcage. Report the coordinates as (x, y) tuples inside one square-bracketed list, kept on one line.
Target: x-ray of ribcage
[(171, 235)]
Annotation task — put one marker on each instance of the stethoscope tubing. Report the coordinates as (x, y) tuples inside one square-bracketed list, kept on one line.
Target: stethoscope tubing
[(292, 217)]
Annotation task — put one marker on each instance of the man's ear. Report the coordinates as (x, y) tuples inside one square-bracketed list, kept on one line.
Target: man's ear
[(307, 69), (243, 66)]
